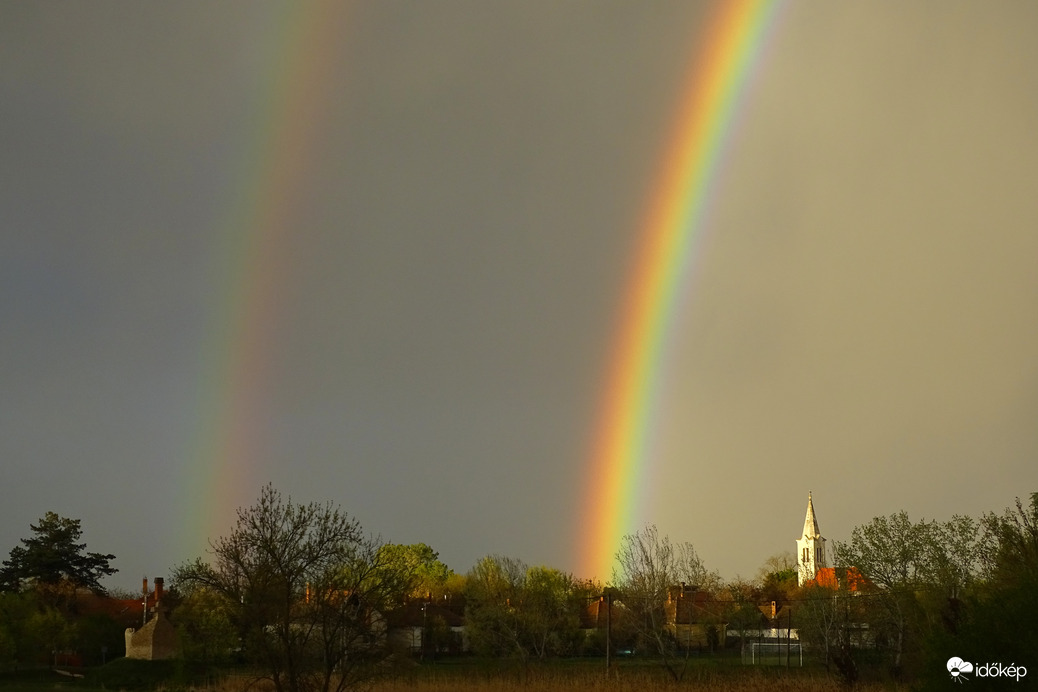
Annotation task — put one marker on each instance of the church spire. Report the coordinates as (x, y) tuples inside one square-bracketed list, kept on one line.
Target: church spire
[(810, 522), (810, 547)]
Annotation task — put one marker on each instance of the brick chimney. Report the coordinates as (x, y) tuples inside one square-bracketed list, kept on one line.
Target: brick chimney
[(158, 592)]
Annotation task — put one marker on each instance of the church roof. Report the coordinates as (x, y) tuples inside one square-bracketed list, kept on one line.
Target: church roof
[(810, 522), (832, 578)]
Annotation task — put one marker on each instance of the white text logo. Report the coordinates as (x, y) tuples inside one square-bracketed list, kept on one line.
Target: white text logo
[(959, 669)]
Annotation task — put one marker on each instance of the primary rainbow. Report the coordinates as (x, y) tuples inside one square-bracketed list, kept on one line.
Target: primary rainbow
[(675, 217), (251, 250)]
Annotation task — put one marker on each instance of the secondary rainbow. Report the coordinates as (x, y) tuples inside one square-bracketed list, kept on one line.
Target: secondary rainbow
[(251, 239), (676, 215)]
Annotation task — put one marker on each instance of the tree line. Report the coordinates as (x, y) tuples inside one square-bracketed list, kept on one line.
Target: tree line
[(299, 593)]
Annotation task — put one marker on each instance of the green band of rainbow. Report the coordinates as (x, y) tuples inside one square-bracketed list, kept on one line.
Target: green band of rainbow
[(675, 217)]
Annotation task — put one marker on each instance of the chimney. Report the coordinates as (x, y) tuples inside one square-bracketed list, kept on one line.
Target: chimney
[(144, 603), (158, 592), (772, 608)]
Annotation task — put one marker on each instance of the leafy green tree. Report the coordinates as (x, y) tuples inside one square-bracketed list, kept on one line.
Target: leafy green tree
[(519, 611), (309, 593), (8, 648), (492, 596), (98, 638), (31, 631), (778, 578), (50, 630), (913, 566), (430, 576), (1012, 541), (551, 606), (54, 556), (204, 621), (15, 610), (993, 619)]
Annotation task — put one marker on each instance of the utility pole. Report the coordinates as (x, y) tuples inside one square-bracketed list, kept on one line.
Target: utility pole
[(425, 629), (789, 629), (609, 622)]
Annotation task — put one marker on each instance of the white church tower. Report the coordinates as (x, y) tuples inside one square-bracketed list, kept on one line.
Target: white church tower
[(810, 548)]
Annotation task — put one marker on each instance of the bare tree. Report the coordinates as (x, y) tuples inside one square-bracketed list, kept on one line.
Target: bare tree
[(648, 566), (308, 592), (824, 615)]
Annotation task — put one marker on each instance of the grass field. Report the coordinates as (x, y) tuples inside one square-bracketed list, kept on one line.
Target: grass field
[(582, 677), (746, 683), (466, 675)]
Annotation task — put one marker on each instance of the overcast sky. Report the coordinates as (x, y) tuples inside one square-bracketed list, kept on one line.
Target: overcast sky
[(449, 197)]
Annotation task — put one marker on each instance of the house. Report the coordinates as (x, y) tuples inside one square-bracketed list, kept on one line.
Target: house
[(600, 612), (157, 638), (694, 618), (776, 617), (428, 627)]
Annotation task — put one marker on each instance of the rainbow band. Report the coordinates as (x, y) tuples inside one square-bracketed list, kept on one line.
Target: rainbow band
[(252, 239), (676, 216)]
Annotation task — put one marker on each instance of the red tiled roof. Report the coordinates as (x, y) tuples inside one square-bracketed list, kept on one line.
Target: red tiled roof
[(827, 577), (125, 611)]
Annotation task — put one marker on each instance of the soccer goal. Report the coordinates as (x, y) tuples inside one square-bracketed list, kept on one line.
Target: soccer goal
[(773, 654)]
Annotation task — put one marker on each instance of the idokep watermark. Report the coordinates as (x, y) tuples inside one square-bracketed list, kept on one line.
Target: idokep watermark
[(962, 670)]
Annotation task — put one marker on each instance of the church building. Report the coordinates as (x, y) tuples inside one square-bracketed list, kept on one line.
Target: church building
[(810, 547)]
